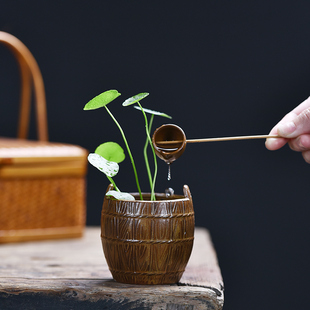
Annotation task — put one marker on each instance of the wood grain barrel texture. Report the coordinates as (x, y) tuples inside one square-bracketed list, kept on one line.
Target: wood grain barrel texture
[(148, 242)]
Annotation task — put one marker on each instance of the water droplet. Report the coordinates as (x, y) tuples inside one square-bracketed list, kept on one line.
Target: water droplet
[(169, 172), (169, 192)]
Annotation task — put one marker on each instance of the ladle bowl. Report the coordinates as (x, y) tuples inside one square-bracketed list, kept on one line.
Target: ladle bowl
[(175, 142)]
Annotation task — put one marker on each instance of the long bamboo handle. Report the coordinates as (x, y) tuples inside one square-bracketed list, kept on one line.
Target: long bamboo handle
[(218, 139), (231, 138)]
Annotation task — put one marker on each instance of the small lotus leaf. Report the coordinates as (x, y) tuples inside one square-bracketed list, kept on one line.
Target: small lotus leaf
[(111, 151), (109, 168), (120, 195), (102, 100), (153, 112), (134, 99)]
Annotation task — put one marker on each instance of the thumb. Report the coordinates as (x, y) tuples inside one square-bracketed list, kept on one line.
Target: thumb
[(297, 126)]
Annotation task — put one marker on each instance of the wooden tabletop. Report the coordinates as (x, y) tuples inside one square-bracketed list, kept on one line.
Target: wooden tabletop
[(73, 274)]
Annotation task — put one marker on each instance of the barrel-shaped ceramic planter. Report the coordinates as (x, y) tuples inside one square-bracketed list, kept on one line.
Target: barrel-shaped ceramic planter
[(148, 242)]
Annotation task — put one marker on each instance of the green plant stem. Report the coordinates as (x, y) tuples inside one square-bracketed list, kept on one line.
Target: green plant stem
[(145, 154), (154, 155), (128, 150), (114, 185)]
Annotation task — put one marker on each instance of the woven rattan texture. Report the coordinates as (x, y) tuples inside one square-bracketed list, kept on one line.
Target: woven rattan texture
[(42, 203)]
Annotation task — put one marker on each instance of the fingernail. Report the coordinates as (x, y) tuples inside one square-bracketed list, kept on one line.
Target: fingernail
[(271, 143), (286, 129)]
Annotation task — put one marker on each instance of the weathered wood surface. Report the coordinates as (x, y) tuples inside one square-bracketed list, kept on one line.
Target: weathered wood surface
[(73, 274)]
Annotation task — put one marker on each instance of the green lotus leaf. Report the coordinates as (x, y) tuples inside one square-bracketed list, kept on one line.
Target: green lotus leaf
[(111, 151), (102, 100), (134, 99)]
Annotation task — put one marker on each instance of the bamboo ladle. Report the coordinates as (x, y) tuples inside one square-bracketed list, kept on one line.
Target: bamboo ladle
[(169, 141)]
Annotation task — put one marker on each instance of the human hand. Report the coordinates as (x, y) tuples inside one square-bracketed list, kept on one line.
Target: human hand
[(295, 130)]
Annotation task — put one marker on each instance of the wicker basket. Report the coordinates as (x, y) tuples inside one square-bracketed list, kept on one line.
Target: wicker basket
[(42, 184)]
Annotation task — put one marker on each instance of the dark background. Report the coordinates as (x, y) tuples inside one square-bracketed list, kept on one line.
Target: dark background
[(220, 68)]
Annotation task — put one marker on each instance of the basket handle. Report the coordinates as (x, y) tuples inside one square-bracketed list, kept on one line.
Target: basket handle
[(30, 77)]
